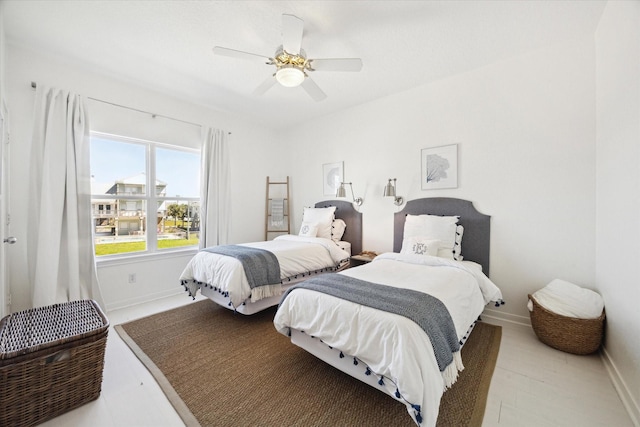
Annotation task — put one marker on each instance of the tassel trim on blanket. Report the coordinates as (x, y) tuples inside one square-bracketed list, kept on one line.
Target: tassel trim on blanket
[(449, 375), (258, 293), (192, 286)]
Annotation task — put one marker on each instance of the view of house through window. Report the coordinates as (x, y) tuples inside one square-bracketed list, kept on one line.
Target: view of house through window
[(127, 217)]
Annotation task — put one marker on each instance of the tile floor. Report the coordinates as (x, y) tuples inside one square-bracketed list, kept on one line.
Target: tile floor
[(533, 385)]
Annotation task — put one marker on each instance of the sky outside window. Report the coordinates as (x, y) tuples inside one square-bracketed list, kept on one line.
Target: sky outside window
[(180, 170), (113, 160)]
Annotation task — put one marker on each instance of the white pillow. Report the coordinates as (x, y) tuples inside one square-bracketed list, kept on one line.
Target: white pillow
[(418, 245), (454, 253), (457, 249), (433, 227), (337, 229), (308, 229), (323, 217), (413, 226)]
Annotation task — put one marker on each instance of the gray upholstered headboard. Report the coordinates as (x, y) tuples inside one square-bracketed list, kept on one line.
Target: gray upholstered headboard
[(477, 226), (351, 217)]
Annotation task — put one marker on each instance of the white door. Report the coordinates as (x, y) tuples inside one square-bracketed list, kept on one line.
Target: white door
[(4, 197)]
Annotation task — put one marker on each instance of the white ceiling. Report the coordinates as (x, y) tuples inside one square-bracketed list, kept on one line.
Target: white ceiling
[(167, 45)]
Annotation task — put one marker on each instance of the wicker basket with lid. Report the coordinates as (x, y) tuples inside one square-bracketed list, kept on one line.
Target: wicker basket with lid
[(51, 361)]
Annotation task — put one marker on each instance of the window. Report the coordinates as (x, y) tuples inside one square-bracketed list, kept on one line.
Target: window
[(127, 217)]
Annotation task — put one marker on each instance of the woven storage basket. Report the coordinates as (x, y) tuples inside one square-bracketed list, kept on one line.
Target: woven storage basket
[(569, 334), (51, 361)]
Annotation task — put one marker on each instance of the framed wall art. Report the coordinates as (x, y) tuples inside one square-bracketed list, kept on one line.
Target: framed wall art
[(332, 176), (440, 167)]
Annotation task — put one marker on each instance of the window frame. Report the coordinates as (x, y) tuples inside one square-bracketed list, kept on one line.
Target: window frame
[(150, 198)]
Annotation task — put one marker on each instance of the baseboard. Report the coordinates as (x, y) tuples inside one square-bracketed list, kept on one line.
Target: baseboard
[(632, 407), (144, 298), (506, 317)]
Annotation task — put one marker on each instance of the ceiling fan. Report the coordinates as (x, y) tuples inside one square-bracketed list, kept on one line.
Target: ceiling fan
[(291, 62)]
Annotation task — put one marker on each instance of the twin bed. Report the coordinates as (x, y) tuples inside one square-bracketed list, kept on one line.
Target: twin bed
[(397, 323), (330, 233), (390, 350)]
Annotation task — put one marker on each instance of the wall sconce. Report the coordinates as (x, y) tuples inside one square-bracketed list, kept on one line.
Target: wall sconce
[(390, 191), (343, 193)]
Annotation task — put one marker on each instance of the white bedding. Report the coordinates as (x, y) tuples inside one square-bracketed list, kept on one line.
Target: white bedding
[(391, 345), (295, 254)]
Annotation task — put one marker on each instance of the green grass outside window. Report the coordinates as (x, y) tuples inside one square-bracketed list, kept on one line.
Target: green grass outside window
[(127, 247)]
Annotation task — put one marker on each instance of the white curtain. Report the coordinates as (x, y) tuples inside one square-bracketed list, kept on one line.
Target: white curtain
[(59, 237), (214, 190)]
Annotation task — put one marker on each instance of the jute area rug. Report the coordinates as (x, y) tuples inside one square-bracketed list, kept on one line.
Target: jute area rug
[(220, 368)]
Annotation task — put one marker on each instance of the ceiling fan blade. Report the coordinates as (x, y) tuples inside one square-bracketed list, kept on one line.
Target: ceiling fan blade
[(240, 54), (313, 89), (265, 86), (338, 64), (292, 28)]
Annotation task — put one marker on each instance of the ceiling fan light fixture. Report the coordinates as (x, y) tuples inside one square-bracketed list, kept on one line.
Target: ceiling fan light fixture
[(290, 76), (292, 68)]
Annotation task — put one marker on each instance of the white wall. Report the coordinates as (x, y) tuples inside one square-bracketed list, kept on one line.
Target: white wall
[(618, 192), (525, 129), (254, 154)]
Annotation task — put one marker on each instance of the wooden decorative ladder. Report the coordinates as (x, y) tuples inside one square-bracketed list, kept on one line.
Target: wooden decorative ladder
[(277, 209)]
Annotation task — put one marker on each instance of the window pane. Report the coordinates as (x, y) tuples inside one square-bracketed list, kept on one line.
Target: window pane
[(124, 219), (180, 225), (177, 173), (121, 228), (117, 167)]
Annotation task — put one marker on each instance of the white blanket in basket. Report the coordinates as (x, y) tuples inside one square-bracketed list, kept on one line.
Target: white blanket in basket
[(566, 299)]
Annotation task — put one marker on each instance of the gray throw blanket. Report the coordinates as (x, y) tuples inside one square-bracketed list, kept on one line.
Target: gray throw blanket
[(425, 310), (260, 266)]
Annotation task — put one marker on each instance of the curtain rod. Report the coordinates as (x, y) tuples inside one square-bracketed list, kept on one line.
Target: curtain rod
[(154, 115)]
